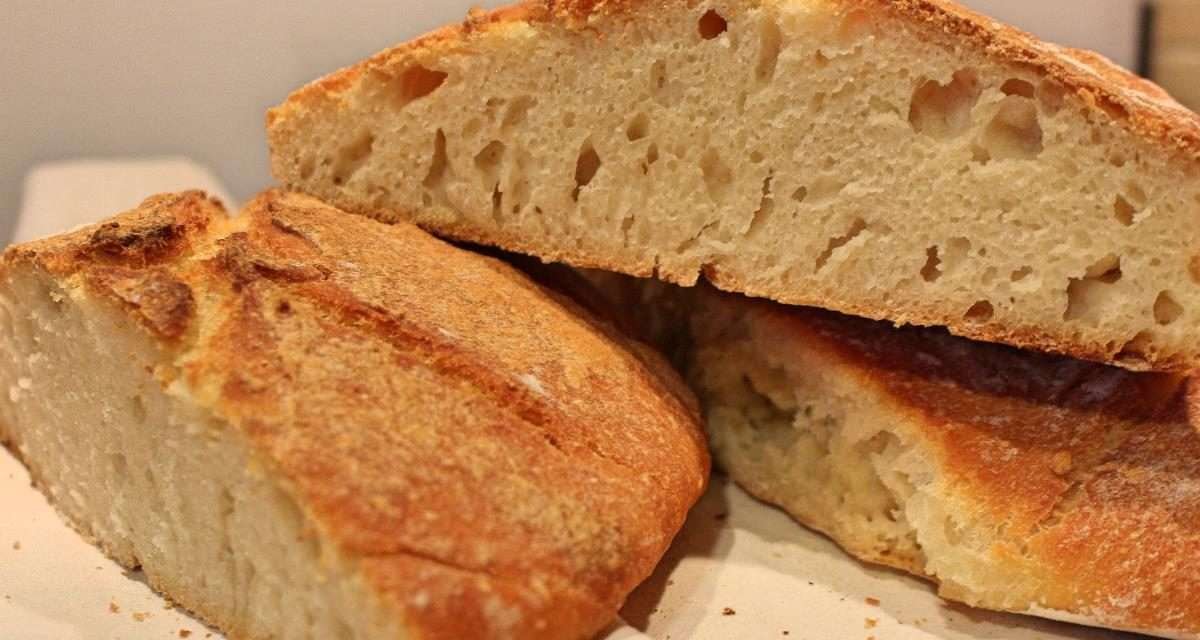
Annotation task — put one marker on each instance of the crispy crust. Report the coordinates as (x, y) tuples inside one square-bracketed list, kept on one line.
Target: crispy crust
[(1093, 470), (1108, 91), (496, 463)]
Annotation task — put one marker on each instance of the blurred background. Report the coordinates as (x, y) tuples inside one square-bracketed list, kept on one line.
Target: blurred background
[(146, 77)]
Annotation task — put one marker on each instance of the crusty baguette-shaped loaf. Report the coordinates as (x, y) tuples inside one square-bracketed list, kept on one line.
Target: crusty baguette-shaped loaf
[(904, 160), (304, 424), (1017, 481)]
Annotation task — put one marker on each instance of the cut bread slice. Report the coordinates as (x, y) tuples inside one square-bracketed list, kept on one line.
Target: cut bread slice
[(1017, 481), (303, 424), (904, 160)]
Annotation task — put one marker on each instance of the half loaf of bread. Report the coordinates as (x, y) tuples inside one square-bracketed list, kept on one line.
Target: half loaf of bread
[(1017, 481), (303, 424), (906, 160)]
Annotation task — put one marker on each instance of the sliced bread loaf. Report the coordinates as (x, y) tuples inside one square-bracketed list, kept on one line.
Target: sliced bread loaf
[(303, 424), (1016, 481), (907, 160)]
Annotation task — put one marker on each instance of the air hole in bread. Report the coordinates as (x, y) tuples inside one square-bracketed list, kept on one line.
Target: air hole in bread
[(1124, 212), (651, 157), (717, 175), (856, 228), (1166, 309), (1018, 87), (756, 157), (497, 201), (1084, 294), (489, 157), (766, 206), (856, 26), (1115, 110), (569, 119), (944, 111), (518, 110), (770, 44), (1116, 157), (1051, 94), (1135, 350), (820, 60), (415, 83), (712, 24), (586, 166), (981, 311), (638, 128), (487, 162), (351, 157), (932, 269), (1021, 274), (800, 194), (439, 162), (1014, 133), (1106, 270)]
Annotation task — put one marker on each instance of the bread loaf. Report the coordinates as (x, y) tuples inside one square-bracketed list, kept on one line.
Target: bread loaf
[(906, 160), (1016, 481), (303, 424)]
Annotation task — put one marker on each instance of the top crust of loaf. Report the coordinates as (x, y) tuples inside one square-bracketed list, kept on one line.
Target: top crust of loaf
[(496, 462), (1094, 470), (1109, 91)]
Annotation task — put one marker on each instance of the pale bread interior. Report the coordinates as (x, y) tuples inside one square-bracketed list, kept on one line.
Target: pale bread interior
[(159, 483), (800, 150)]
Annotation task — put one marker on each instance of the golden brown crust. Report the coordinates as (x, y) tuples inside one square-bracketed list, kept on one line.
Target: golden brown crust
[(121, 257), (496, 464), (1092, 471)]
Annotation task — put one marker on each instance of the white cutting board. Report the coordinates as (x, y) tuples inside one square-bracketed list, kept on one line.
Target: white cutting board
[(739, 569)]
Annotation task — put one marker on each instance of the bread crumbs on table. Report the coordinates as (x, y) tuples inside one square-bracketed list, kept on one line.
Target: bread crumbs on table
[(874, 602), (17, 545), (727, 611), (141, 616), (113, 607), (870, 623), (183, 633)]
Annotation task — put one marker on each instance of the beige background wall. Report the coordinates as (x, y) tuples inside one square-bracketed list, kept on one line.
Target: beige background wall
[(1177, 49), (193, 78)]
